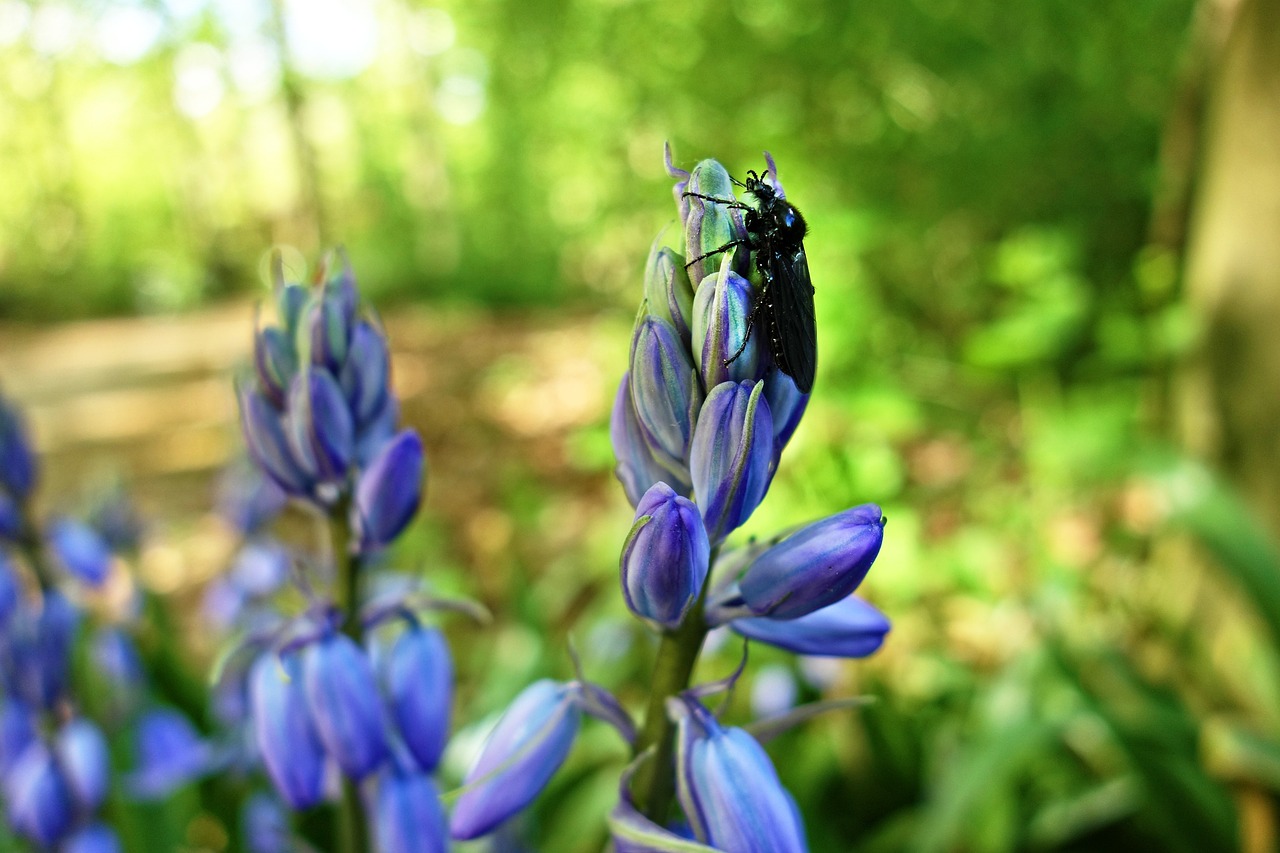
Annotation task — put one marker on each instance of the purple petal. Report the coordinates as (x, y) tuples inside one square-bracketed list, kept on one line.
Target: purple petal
[(389, 491), (850, 628)]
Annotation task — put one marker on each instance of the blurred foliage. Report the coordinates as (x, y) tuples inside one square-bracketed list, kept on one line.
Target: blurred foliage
[(1086, 629)]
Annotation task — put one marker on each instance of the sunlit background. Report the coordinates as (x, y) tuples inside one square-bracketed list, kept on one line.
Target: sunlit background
[(1004, 201)]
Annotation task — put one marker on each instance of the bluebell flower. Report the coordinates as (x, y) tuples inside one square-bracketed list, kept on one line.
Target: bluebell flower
[(286, 736), (815, 566), (80, 550), (275, 361), (731, 456), (331, 319), (407, 815), (850, 628), (37, 650), (709, 226), (721, 310), (85, 762), (17, 459), (418, 675), (665, 389), (319, 426), (170, 754), (525, 749), (786, 406), (41, 804), (665, 558), (638, 468), (365, 376), (17, 732), (268, 443), (728, 787), (389, 491), (342, 696), (94, 838), (668, 292)]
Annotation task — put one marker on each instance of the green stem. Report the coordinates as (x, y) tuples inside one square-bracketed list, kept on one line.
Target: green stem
[(353, 821), (654, 782)]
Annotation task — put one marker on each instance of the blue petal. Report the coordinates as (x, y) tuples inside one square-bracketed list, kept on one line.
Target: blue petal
[(343, 697), (286, 736), (638, 468), (82, 751), (321, 431), (81, 550), (389, 490), (170, 755), (522, 753), (665, 558), (94, 838), (366, 372), (850, 628), (10, 593), (664, 389), (419, 681), (17, 459), (721, 310), (731, 456), (632, 832), (40, 803), (407, 815), (268, 444)]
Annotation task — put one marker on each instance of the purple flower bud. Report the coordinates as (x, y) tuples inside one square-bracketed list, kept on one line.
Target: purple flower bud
[(787, 406), (331, 321), (291, 303), (247, 500), (85, 762), (709, 225), (10, 517), (667, 291), (815, 566), (850, 628), (407, 815), (17, 460), (286, 736), (38, 650), (275, 362), (418, 674), (522, 753), (170, 754), (265, 826), (377, 431), (342, 695), (728, 787), (665, 558), (637, 468), (720, 313), (41, 803), (665, 389), (10, 591), (268, 444), (731, 455), (94, 838), (81, 551), (320, 430), (389, 491), (17, 732), (366, 372)]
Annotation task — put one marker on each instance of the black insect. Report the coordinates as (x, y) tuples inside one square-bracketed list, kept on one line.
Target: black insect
[(775, 233)]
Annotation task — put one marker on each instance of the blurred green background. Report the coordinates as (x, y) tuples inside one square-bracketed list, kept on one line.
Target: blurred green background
[(1020, 358)]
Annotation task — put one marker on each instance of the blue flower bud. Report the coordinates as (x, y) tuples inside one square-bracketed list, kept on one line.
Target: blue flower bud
[(275, 363), (265, 826), (815, 566), (343, 698), (665, 389), (367, 371), (731, 455), (17, 732), (377, 431), (170, 754), (85, 762), (247, 500), (331, 321), (728, 787), (17, 460), (407, 815), (787, 406), (40, 640), (94, 838), (81, 551), (291, 304), (720, 313), (10, 517), (637, 468), (523, 752), (10, 591), (389, 491), (320, 430), (264, 433), (665, 558), (709, 225), (668, 292), (418, 674), (41, 804), (850, 628), (286, 736)]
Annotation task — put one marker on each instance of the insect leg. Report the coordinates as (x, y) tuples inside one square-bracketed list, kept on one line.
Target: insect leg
[(727, 202), (717, 251), (751, 323)]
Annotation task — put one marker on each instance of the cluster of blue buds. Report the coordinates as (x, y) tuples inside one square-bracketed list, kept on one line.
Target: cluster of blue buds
[(54, 757), (357, 688)]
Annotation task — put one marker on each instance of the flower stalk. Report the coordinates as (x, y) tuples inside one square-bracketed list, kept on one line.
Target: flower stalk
[(353, 820)]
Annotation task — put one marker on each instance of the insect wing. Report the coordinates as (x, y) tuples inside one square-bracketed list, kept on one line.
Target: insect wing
[(795, 339)]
